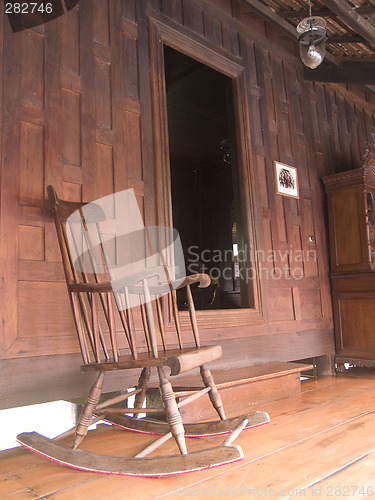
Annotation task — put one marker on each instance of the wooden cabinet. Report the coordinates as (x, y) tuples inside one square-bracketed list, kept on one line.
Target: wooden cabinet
[(351, 214)]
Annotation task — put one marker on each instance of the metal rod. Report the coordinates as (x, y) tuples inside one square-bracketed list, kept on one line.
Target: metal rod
[(132, 410), (235, 433), (117, 399), (154, 446), (193, 397)]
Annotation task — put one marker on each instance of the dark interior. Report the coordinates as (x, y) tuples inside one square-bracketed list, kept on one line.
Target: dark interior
[(203, 176)]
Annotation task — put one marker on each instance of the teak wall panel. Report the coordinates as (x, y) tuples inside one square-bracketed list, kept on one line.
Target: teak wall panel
[(131, 85), (104, 155), (103, 94), (311, 303), (280, 301), (77, 113), (32, 69), (64, 123), (71, 130), (50, 297), (173, 9), (101, 23), (31, 243), (10, 160), (133, 155), (31, 191), (193, 16), (70, 59)]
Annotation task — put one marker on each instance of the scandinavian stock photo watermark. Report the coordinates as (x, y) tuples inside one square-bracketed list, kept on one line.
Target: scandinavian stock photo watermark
[(246, 262), (129, 250), (247, 491)]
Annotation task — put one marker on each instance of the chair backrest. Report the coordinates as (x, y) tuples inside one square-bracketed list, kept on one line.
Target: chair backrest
[(104, 308)]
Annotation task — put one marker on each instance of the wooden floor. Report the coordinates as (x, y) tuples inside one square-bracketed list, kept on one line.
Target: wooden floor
[(319, 444)]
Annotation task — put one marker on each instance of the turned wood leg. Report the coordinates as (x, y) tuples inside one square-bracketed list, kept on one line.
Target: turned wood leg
[(172, 412), (143, 382), (85, 418), (340, 368), (214, 395)]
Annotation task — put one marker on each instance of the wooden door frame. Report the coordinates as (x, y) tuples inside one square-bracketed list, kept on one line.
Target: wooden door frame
[(166, 32)]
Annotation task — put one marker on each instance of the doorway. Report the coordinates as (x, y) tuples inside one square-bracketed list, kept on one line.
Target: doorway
[(205, 192)]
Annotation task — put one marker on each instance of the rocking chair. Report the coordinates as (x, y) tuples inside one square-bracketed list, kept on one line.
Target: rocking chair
[(108, 323)]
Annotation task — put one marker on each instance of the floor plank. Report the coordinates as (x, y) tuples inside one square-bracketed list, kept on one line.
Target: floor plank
[(356, 480), (9, 486), (300, 465), (316, 442)]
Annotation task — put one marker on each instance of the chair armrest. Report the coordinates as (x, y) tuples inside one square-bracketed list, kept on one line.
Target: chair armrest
[(90, 287), (190, 360), (203, 281), (137, 278), (117, 285)]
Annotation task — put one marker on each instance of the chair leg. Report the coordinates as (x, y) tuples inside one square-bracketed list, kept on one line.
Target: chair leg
[(143, 382), (172, 412), (85, 418), (214, 395)]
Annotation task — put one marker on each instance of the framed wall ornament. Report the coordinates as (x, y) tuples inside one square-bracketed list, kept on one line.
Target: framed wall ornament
[(286, 180)]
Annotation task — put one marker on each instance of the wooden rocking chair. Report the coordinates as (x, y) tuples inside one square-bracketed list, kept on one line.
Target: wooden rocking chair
[(107, 334)]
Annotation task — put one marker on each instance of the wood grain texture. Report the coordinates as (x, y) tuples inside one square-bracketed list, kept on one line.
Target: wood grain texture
[(81, 116), (197, 429), (351, 237), (9, 187), (143, 467), (340, 444)]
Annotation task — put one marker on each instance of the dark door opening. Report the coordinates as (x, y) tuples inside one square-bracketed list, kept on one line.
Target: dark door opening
[(205, 191)]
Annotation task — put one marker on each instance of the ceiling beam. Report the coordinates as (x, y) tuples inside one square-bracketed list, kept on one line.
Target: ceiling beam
[(351, 17), (274, 18), (300, 14), (346, 39), (362, 73)]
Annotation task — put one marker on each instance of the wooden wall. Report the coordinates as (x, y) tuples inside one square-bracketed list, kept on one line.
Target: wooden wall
[(71, 119), (77, 112)]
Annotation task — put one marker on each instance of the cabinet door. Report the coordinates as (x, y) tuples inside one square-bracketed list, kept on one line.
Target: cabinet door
[(346, 231), (355, 317)]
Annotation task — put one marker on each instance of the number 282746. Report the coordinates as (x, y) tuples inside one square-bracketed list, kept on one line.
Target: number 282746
[(28, 8)]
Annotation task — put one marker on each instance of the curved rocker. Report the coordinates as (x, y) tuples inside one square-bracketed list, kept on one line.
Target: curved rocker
[(197, 429), (143, 466)]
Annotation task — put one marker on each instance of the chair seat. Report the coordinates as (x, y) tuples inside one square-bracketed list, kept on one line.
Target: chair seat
[(179, 360)]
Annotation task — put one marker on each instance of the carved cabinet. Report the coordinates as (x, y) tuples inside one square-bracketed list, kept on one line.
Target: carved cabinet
[(351, 216)]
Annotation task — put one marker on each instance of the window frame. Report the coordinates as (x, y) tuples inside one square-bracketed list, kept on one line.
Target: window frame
[(182, 40)]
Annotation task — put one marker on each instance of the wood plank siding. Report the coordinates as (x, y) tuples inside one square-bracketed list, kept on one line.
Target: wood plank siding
[(81, 110)]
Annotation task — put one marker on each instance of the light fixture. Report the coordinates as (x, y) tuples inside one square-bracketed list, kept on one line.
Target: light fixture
[(312, 40)]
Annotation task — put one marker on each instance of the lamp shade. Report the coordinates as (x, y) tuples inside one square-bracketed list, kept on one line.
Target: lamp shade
[(312, 41)]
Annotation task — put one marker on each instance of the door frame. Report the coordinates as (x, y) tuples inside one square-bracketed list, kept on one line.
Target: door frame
[(166, 32)]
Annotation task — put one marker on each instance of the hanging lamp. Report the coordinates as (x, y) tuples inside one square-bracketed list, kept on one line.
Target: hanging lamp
[(312, 40)]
